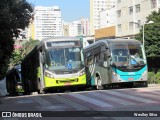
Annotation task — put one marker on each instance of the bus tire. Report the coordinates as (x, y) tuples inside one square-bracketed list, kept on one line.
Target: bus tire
[(99, 85)]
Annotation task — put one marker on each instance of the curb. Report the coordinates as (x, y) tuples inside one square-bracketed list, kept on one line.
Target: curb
[(153, 85)]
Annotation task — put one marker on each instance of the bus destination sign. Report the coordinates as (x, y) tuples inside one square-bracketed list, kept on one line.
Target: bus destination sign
[(62, 43)]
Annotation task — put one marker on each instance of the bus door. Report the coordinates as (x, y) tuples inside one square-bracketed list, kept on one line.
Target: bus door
[(105, 73)]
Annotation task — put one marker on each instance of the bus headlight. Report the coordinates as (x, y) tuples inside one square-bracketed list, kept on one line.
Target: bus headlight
[(49, 75), (19, 86), (113, 73)]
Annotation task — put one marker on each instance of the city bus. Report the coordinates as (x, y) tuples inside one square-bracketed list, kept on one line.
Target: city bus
[(55, 63), (111, 62), (14, 81)]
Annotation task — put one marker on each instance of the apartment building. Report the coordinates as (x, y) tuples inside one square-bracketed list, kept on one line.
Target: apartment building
[(47, 22), (85, 26), (79, 27), (75, 28), (107, 17), (131, 15), (96, 6), (65, 28)]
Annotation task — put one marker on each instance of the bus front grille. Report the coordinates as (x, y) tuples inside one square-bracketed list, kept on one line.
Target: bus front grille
[(66, 81)]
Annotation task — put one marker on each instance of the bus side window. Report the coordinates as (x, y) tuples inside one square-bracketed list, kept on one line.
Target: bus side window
[(89, 61), (97, 57), (105, 56)]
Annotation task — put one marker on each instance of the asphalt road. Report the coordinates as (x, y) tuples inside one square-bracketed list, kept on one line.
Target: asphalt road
[(114, 104)]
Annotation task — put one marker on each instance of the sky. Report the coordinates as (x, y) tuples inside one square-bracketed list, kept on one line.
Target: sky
[(71, 9)]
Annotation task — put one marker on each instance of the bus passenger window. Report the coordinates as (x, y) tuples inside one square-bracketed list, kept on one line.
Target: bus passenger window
[(97, 57), (89, 61)]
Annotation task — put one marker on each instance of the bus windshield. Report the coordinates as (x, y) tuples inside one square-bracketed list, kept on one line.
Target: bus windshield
[(127, 54), (64, 58)]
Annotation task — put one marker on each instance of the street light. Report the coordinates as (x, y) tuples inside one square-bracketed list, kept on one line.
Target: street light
[(150, 22)]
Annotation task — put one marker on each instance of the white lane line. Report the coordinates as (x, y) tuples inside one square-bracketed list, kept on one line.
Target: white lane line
[(130, 97), (70, 103), (91, 100), (149, 95), (107, 97)]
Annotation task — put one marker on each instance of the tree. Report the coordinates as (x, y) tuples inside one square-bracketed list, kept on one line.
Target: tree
[(28, 46), (18, 55), (151, 34), (14, 15)]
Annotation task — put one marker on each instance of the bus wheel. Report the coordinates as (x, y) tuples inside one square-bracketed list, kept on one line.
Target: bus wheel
[(99, 83)]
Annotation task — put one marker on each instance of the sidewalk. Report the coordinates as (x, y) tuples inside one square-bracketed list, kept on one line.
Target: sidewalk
[(153, 85), (3, 90)]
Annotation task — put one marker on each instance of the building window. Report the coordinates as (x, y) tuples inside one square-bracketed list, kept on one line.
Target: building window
[(119, 13), (138, 9), (153, 3), (131, 10), (118, 1), (131, 25), (119, 27), (139, 24)]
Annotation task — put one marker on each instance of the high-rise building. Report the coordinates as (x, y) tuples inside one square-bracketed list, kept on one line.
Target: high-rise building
[(65, 28), (47, 22), (131, 15), (75, 28), (79, 27), (85, 26), (96, 6)]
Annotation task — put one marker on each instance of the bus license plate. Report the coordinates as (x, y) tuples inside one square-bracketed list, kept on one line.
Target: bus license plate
[(67, 83), (130, 78)]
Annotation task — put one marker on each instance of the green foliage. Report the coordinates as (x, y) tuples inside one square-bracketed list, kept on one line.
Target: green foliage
[(28, 46), (14, 15), (151, 34), (18, 55), (154, 78)]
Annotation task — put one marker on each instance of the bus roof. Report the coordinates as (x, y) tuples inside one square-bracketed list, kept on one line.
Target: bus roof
[(108, 41)]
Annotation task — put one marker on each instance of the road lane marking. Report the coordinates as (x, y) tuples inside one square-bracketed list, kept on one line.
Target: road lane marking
[(70, 103), (148, 95), (130, 97), (107, 97), (91, 100)]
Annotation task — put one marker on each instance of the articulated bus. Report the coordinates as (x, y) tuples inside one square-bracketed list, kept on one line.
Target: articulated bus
[(55, 63), (14, 81), (116, 62)]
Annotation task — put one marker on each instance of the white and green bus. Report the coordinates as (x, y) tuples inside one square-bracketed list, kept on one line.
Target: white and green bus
[(55, 63), (116, 62)]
